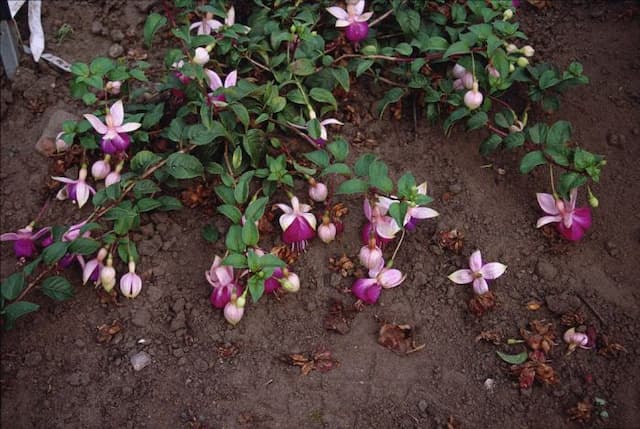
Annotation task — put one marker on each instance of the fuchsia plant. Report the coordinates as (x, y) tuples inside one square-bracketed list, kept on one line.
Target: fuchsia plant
[(24, 240), (114, 131), (222, 279), (354, 19), (571, 222), (478, 273)]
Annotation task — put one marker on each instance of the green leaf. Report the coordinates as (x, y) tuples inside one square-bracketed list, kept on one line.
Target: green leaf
[(169, 203), (17, 309), (490, 144), (31, 266), (152, 117), (454, 117), (504, 119), (89, 98), (548, 79), (147, 204), (342, 76), (513, 359), (514, 140), (143, 160), (256, 287), (477, 120), (231, 212), (236, 260), (127, 250), (363, 66), (100, 66), (339, 149), (210, 233), (233, 240), (559, 133), (408, 19), (362, 164), (84, 246), (80, 69), (153, 23), (353, 186), (57, 288), (241, 191), (250, 234), (531, 161), (13, 285), (391, 96), (241, 113), (54, 252), (398, 211), (337, 168), (255, 209), (302, 67), (184, 166), (538, 133), (318, 157), (323, 96), (406, 185), (568, 181), (457, 48), (144, 187), (271, 261), (379, 176)]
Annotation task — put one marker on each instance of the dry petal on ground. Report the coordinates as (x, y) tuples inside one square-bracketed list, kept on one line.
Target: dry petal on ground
[(573, 318), (609, 349), (227, 350), (581, 411), (106, 332), (492, 336), (480, 304), (398, 338), (342, 265), (451, 240), (541, 337), (320, 360), (339, 317)]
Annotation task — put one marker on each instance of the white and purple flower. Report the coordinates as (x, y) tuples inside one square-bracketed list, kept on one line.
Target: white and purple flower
[(478, 273), (215, 83), (354, 19), (131, 283), (114, 131), (24, 240), (77, 190), (571, 222), (368, 289), (221, 277), (298, 225)]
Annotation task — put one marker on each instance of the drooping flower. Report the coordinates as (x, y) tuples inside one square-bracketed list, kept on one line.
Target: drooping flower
[(77, 190), (131, 283), (273, 283), (91, 270), (414, 212), (353, 19), (298, 225), (327, 230), (114, 176), (101, 168), (383, 226), (222, 279), (473, 98), (290, 281), (114, 133), (368, 289), (208, 24), (201, 56), (370, 256), (24, 240), (570, 221), (478, 273), (215, 83), (108, 275), (72, 233), (234, 309), (318, 191)]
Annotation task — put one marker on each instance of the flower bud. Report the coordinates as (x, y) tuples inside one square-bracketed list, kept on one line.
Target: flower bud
[(108, 275), (576, 339), (290, 282), (100, 169), (113, 177), (517, 126), (233, 313), (511, 48), (241, 301), (61, 145), (473, 98), (131, 283), (512, 68), (113, 87), (318, 191), (507, 14), (492, 71), (528, 51), (522, 62), (593, 201), (458, 71), (467, 80), (371, 256), (327, 232), (458, 85), (201, 56)]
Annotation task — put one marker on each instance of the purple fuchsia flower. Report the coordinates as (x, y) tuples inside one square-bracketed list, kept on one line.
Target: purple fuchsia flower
[(221, 277), (114, 133), (24, 240), (215, 83), (353, 19), (298, 225), (571, 222), (368, 289), (72, 233), (478, 274), (273, 283), (324, 135), (77, 190), (131, 283), (234, 309), (383, 226), (414, 213), (91, 270)]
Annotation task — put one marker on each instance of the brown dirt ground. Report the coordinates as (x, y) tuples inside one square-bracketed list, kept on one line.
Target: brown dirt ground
[(54, 373)]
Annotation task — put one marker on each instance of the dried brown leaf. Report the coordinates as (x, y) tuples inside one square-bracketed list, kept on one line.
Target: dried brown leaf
[(452, 240), (581, 412), (492, 336), (339, 317), (398, 338), (106, 332), (480, 304)]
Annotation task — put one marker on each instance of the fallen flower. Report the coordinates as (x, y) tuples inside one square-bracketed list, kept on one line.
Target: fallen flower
[(354, 19), (298, 225), (571, 222), (24, 245), (114, 134), (478, 274), (368, 289), (575, 339), (77, 190)]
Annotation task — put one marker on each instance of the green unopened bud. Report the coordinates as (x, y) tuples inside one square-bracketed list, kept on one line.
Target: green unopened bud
[(593, 201), (528, 51), (292, 29), (507, 14), (511, 48), (241, 301), (522, 62), (369, 50), (512, 68)]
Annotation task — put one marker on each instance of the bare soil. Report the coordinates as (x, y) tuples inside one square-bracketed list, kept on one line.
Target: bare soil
[(205, 373)]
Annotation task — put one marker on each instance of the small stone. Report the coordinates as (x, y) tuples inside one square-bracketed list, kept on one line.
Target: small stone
[(201, 365), (422, 406), (32, 359), (141, 318), (117, 35), (96, 27), (115, 50), (140, 360), (546, 270), (455, 189), (46, 144), (178, 322), (178, 305)]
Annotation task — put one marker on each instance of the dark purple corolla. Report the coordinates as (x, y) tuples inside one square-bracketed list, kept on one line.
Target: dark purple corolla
[(298, 225), (353, 18), (24, 240), (114, 133)]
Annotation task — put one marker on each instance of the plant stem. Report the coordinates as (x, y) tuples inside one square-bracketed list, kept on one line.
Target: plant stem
[(33, 283), (395, 252), (553, 185)]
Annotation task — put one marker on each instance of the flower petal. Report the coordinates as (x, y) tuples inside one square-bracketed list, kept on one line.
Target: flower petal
[(63, 179), (390, 278), (62, 194), (82, 194), (364, 17), (475, 261), (9, 236), (40, 233), (385, 203), (492, 270), (338, 12), (117, 113), (342, 23), (359, 7), (573, 195), (224, 274), (128, 127), (89, 268), (195, 25), (548, 219), (480, 286), (96, 123), (231, 79), (422, 188), (310, 218), (547, 203), (423, 213), (213, 24), (285, 208), (286, 220), (582, 216), (214, 80), (231, 16), (331, 121), (461, 277), (366, 207)]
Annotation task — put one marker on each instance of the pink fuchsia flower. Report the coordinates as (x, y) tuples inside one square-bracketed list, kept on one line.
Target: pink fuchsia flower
[(298, 225), (576, 339), (91, 270), (77, 190), (473, 98), (353, 19), (221, 277), (215, 83), (318, 191), (273, 283), (570, 221), (207, 25), (371, 256), (24, 240), (327, 231), (131, 283), (368, 289), (101, 168), (114, 176), (61, 145), (113, 87), (234, 309), (478, 274), (114, 133), (72, 233), (492, 71), (414, 213), (382, 226)]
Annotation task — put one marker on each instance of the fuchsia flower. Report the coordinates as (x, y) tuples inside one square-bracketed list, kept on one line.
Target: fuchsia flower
[(571, 222), (354, 19), (324, 135), (221, 277), (72, 233), (368, 289), (131, 283), (91, 270), (215, 83), (114, 133), (327, 231), (24, 239), (234, 309), (414, 213), (318, 191), (576, 339), (478, 274), (273, 283), (208, 24), (384, 227), (76, 190), (298, 225)]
